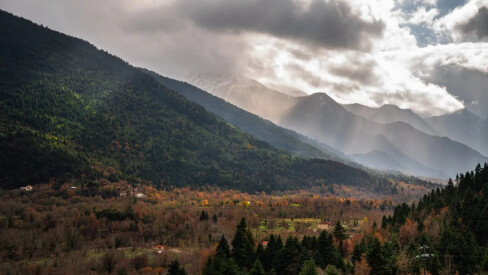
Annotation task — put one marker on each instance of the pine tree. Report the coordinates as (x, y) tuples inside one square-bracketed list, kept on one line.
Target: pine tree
[(290, 258), (309, 268), (204, 216), (243, 246), (358, 251), (174, 268), (484, 263), (223, 249), (327, 253), (270, 253), (340, 235), (374, 256), (257, 269)]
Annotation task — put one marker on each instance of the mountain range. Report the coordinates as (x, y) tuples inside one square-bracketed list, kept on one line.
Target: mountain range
[(388, 137)]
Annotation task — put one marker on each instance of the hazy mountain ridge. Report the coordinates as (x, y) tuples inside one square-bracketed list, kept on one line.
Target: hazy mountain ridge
[(391, 113), (412, 141), (319, 116), (246, 94), (463, 126)]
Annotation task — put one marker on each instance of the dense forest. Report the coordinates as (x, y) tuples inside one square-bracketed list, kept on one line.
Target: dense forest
[(68, 108), (444, 233)]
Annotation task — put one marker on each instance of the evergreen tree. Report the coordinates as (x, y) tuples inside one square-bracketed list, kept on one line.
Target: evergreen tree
[(243, 246), (326, 252), (259, 256), (204, 216), (269, 254), (340, 235), (309, 268), (484, 263), (223, 249), (358, 251), (220, 266), (374, 256), (291, 257), (257, 269), (174, 268)]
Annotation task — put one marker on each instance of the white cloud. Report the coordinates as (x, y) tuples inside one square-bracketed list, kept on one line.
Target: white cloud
[(449, 23), (422, 15)]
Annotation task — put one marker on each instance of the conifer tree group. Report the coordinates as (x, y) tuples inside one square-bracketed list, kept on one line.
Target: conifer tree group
[(291, 257)]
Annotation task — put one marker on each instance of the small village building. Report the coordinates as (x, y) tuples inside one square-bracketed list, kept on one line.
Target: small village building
[(159, 248), (27, 188)]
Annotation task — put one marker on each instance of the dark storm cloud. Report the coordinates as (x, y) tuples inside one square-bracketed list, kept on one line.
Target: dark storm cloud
[(466, 84), (330, 24), (360, 72), (299, 72), (345, 88), (477, 24)]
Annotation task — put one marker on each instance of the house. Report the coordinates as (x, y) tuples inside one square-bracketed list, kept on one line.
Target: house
[(73, 187), (159, 248), (139, 195), (264, 244), (27, 188)]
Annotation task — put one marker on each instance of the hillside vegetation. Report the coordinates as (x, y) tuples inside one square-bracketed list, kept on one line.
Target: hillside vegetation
[(69, 109)]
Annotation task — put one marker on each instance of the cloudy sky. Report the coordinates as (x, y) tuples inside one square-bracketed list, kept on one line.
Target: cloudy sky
[(427, 55)]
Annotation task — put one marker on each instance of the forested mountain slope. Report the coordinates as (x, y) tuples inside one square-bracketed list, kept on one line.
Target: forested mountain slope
[(69, 109), (258, 127), (452, 223)]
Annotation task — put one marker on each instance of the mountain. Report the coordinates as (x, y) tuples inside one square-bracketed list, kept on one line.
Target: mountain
[(391, 159), (391, 113), (370, 135), (73, 113), (320, 117), (258, 127), (465, 127), (246, 94), (291, 141)]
